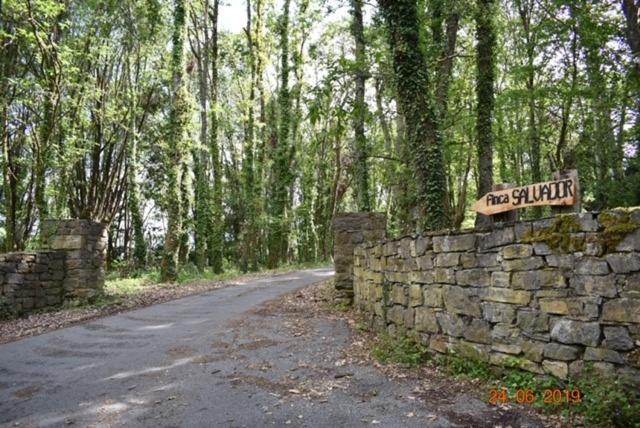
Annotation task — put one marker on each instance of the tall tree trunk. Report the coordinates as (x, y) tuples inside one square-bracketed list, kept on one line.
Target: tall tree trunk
[(248, 172), (133, 190), (216, 226), (176, 145), (281, 173), (201, 154), (412, 81), (485, 36), (361, 169)]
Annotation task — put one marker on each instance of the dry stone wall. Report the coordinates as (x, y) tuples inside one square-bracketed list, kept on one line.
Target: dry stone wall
[(546, 296), (69, 269)]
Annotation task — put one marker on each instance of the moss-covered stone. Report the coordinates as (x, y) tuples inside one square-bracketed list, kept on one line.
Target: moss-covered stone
[(617, 225), (561, 235)]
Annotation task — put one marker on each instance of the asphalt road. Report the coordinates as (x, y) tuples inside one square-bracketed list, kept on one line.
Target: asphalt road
[(218, 359)]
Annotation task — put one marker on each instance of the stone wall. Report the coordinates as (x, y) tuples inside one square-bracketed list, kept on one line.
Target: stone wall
[(69, 269), (31, 280), (546, 296), (350, 230)]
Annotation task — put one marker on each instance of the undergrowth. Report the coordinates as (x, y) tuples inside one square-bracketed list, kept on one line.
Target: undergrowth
[(605, 402), (401, 350)]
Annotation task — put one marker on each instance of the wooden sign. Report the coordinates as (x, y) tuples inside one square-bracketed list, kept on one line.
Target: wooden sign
[(559, 192)]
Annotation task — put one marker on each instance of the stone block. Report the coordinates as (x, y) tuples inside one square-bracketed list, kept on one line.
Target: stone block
[(444, 276), (398, 295), (589, 285), (532, 350), (452, 243), (506, 349), (415, 295), (505, 333), (534, 280), (487, 260), (521, 230), (439, 343), (457, 300), (447, 259), (505, 295), (468, 260), (433, 296), (497, 238), (498, 312), (396, 315), (506, 360), (69, 242), (533, 321), (517, 251), (451, 324), (617, 338), (556, 351), (592, 266), (473, 277), (530, 263), (541, 249), (408, 317), (572, 332), (471, 351), (622, 310), (558, 369), (478, 331), (425, 320), (420, 245), (603, 354), (426, 277), (390, 248), (580, 307), (631, 242), (500, 279), (563, 261), (425, 262), (624, 262)]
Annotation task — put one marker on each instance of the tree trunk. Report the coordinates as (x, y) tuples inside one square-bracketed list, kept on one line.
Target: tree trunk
[(485, 36), (175, 149), (361, 169), (216, 225), (412, 80)]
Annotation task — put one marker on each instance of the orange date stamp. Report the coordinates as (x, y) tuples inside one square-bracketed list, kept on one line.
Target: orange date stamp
[(551, 396)]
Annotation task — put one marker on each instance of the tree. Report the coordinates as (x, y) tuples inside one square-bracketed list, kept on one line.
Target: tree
[(416, 106), (281, 175), (176, 145), (486, 38), (360, 110)]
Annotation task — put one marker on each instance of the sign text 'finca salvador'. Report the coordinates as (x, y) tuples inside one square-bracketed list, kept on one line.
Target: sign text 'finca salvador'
[(560, 192)]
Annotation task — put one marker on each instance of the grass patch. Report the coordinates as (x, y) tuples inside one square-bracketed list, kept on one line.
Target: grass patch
[(403, 350), (605, 402)]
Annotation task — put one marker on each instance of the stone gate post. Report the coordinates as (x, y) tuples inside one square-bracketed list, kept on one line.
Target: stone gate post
[(351, 229)]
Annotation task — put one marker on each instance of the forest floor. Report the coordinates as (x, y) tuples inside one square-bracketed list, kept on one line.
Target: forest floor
[(274, 351), (124, 294)]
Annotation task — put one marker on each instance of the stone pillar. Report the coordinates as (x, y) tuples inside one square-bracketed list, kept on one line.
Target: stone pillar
[(84, 243), (351, 229)]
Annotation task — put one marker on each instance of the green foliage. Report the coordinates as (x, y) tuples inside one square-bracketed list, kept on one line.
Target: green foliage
[(402, 350), (606, 402), (458, 366)]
